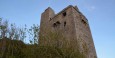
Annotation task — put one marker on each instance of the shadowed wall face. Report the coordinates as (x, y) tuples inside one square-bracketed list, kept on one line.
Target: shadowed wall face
[(71, 29)]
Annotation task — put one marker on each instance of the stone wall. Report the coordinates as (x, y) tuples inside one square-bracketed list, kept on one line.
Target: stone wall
[(71, 28)]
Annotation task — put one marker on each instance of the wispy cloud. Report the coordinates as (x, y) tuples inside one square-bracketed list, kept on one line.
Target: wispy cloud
[(89, 6)]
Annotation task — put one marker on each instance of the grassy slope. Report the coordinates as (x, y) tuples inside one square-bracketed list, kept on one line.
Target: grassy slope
[(17, 49)]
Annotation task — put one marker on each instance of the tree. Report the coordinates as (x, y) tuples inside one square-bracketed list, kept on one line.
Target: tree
[(34, 34), (3, 28), (11, 31)]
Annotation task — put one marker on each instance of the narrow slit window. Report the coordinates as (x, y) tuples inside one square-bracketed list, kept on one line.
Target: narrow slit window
[(64, 14), (54, 25), (64, 23)]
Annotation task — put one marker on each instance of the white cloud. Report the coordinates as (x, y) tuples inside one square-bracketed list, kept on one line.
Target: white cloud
[(92, 7), (89, 7)]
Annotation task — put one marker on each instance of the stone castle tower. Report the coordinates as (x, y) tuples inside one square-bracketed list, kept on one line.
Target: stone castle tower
[(74, 27)]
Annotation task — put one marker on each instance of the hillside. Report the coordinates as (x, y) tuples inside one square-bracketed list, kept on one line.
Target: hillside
[(17, 49)]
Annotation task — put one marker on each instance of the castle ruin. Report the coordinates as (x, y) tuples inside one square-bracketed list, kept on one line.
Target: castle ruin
[(72, 25)]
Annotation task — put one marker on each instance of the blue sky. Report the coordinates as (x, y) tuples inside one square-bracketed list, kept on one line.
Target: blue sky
[(100, 14)]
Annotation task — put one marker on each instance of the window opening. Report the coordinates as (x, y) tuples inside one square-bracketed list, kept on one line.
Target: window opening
[(56, 24), (84, 22), (64, 23), (64, 14)]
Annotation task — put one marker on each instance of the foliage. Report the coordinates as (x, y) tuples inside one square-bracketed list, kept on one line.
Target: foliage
[(34, 34), (15, 33), (17, 49), (3, 28), (11, 31), (12, 46)]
